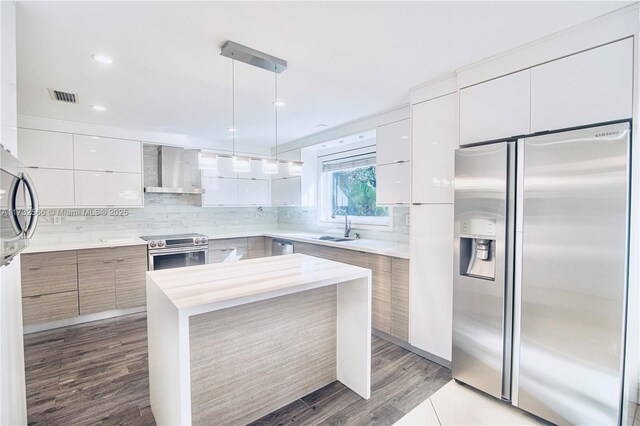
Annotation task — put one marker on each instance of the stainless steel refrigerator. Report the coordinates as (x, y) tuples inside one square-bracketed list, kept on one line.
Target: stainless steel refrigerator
[(540, 280)]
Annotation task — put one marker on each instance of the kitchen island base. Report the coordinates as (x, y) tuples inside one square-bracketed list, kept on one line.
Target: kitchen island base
[(295, 327)]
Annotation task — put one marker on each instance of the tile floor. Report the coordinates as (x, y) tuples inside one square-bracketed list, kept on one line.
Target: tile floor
[(444, 408)]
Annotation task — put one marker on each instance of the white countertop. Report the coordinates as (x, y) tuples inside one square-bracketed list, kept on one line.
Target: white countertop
[(386, 248), (81, 245), (205, 288)]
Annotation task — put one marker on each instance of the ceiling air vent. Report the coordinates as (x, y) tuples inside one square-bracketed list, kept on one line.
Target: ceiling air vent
[(57, 95)]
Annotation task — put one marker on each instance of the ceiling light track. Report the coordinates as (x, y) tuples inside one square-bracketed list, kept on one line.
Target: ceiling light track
[(250, 56)]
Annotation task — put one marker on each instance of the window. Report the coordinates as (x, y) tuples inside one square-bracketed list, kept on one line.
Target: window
[(348, 182)]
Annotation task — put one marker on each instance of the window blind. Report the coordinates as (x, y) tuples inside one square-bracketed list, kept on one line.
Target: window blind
[(361, 160)]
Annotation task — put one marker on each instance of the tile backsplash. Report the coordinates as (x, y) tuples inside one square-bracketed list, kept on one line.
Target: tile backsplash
[(306, 219), (162, 214)]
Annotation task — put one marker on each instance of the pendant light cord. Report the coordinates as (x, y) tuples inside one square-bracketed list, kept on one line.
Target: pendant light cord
[(275, 105), (233, 104)]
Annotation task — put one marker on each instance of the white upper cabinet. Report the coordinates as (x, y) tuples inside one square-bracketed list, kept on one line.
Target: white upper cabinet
[(55, 187), (40, 148), (434, 141), (94, 188), (256, 171), (106, 154), (219, 191), (392, 184), (392, 143), (253, 192), (495, 109), (225, 169), (589, 87), (286, 192)]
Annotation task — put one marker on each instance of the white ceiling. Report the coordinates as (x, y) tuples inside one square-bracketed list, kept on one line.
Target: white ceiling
[(346, 59)]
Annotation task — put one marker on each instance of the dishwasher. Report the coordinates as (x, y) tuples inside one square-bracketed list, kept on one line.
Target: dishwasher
[(279, 247)]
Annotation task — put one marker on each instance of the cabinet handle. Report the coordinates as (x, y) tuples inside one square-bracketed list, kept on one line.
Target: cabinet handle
[(107, 261), (119, 260), (33, 268), (399, 161), (35, 297)]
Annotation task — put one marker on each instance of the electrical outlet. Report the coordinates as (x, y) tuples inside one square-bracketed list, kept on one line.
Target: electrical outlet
[(407, 220), (57, 220)]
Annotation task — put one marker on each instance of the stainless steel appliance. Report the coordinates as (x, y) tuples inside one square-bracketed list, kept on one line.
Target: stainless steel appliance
[(178, 171), (540, 280), (18, 207), (175, 251), (279, 247)]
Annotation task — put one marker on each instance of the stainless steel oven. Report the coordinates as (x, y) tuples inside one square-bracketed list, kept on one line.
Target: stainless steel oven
[(176, 251)]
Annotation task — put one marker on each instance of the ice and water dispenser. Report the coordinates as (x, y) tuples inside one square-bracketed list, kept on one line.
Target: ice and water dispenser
[(478, 248)]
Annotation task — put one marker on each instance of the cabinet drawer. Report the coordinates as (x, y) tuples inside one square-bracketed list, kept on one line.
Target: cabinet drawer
[(400, 298), (226, 250), (49, 279), (49, 307), (381, 315)]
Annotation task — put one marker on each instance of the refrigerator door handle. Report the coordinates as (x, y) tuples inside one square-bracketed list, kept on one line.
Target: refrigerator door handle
[(35, 205), (13, 207)]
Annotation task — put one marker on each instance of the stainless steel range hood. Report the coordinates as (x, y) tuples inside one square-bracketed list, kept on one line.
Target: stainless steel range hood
[(178, 171)]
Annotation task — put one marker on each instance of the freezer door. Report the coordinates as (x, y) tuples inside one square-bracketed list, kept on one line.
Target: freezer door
[(574, 274), (482, 283)]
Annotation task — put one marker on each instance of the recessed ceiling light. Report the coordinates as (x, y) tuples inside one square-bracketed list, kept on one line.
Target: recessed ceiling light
[(340, 141), (321, 125), (404, 137), (103, 59), (279, 103), (231, 129), (98, 107), (324, 146), (361, 137)]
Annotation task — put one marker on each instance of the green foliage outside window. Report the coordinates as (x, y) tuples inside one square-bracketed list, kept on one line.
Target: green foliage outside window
[(354, 190)]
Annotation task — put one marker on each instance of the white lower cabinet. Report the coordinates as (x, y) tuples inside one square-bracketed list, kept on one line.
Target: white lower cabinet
[(253, 192), (431, 283), (392, 182), (219, 191), (55, 187), (108, 189), (286, 192)]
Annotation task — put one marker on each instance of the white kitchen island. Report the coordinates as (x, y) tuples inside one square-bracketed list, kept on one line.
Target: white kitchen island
[(232, 342)]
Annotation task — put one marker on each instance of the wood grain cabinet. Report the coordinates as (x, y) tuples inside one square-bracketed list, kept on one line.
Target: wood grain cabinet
[(390, 285), (111, 278), (49, 286), (227, 250), (256, 247)]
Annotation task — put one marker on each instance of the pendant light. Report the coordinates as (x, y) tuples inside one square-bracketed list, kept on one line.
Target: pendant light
[(270, 165), (240, 164)]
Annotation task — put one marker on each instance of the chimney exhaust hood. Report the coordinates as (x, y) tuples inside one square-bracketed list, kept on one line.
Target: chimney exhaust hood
[(178, 171)]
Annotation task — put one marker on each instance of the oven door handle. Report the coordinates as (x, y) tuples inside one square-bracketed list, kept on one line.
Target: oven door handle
[(158, 252)]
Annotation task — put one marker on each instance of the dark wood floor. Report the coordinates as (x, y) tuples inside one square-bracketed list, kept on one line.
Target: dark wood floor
[(97, 373)]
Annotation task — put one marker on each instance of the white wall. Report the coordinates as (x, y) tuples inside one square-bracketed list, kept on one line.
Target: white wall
[(13, 408)]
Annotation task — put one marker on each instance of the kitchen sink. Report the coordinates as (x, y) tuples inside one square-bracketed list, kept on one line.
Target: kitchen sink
[(333, 239)]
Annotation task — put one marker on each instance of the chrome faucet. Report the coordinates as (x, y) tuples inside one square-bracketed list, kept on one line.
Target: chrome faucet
[(347, 222)]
